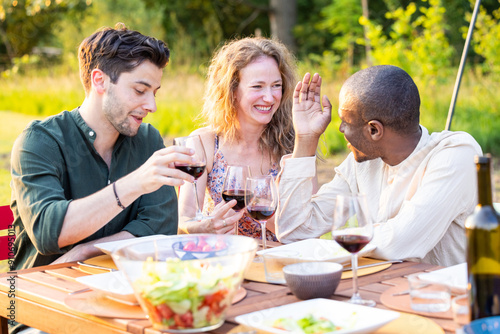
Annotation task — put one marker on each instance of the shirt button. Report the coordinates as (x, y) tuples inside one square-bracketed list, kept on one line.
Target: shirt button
[(91, 133), (109, 181)]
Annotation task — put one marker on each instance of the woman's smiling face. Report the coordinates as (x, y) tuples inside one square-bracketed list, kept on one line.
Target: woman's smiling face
[(259, 91)]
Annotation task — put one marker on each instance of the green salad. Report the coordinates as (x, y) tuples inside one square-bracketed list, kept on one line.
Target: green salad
[(185, 294), (308, 325)]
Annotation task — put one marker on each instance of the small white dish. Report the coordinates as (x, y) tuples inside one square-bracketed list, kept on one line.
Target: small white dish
[(350, 318), (456, 276), (316, 250), (113, 285), (110, 246)]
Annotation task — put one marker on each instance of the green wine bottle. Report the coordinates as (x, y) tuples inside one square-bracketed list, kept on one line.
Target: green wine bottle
[(483, 254)]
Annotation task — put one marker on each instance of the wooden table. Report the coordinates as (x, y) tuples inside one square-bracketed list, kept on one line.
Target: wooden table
[(40, 292)]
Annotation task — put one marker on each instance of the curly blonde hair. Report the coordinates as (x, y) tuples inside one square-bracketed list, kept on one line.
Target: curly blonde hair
[(223, 78)]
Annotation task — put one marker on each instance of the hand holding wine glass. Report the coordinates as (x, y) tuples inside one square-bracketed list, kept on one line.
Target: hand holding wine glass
[(196, 169), (261, 197), (234, 185), (353, 229)]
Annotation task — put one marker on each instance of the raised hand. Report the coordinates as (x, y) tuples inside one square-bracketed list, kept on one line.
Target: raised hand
[(310, 116)]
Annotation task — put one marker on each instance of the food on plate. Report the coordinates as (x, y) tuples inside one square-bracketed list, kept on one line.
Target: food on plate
[(309, 324), (185, 294)]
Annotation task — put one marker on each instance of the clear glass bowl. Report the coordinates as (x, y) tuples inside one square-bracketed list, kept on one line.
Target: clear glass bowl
[(181, 290)]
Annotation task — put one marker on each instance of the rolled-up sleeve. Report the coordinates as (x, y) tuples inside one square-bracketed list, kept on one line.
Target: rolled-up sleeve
[(36, 183)]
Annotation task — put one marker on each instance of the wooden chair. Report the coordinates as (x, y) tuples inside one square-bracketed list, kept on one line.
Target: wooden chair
[(6, 220)]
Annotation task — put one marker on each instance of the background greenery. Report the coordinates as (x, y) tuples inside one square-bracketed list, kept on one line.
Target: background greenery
[(39, 70)]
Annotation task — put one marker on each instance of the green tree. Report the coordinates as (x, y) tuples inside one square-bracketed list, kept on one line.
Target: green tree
[(416, 41), (486, 40), (133, 13), (25, 24), (194, 28), (341, 19), (310, 35)]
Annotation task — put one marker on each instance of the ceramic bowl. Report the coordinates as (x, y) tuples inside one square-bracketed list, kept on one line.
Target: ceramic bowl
[(313, 279), (186, 291)]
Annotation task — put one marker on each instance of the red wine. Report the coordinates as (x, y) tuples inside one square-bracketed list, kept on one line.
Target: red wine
[(195, 170), (351, 242), (261, 212), (238, 195)]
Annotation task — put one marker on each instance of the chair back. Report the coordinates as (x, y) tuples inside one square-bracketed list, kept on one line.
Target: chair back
[(6, 220)]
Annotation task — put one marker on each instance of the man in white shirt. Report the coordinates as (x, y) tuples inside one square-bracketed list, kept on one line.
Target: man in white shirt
[(420, 186)]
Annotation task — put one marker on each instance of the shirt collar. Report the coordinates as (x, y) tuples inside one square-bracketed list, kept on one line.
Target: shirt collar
[(424, 139), (87, 131)]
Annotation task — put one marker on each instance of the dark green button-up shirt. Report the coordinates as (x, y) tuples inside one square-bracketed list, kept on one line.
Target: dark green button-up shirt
[(54, 162)]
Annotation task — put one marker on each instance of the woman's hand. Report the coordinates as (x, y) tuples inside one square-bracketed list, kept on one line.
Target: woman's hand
[(224, 218)]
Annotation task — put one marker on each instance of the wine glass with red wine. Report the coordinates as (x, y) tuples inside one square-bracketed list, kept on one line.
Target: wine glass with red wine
[(353, 229), (234, 185), (261, 197), (196, 169)]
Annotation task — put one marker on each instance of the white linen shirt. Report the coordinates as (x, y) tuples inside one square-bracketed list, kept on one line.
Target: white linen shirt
[(418, 207)]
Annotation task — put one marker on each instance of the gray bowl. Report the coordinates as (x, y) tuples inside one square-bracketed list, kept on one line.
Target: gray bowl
[(313, 279)]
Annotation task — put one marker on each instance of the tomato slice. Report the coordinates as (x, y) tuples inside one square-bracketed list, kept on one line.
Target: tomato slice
[(165, 311)]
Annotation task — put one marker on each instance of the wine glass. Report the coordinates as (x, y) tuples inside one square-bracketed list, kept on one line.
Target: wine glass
[(234, 186), (353, 229), (261, 198), (196, 169)]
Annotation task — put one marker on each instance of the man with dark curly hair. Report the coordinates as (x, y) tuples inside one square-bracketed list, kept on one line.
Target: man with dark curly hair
[(98, 173)]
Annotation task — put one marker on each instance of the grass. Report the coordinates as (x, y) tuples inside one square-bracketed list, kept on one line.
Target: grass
[(9, 131), (180, 100)]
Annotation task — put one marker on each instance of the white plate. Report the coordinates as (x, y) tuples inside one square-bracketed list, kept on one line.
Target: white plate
[(113, 285), (454, 276), (315, 250), (350, 317), (109, 247)]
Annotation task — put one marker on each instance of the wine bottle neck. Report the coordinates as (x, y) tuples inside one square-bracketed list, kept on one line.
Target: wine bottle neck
[(484, 184)]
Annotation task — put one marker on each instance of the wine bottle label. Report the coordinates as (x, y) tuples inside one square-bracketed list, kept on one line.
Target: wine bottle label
[(486, 265)]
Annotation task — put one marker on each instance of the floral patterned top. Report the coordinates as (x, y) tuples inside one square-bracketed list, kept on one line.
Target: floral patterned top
[(213, 195)]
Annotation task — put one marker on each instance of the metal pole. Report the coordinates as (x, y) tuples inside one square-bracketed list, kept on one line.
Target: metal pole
[(462, 65)]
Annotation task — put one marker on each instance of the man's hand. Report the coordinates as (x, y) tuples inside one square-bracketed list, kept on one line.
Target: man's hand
[(160, 169), (309, 119), (78, 253)]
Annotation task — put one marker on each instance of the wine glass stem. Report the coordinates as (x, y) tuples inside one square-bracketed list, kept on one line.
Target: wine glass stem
[(263, 231), (199, 215), (354, 266)]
